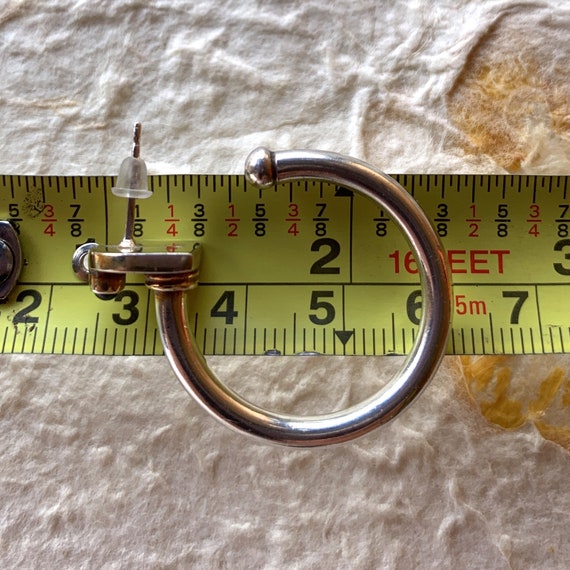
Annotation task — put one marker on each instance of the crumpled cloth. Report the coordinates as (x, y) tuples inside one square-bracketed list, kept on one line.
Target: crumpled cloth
[(105, 462)]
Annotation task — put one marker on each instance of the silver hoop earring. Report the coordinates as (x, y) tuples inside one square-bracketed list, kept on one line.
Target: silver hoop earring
[(172, 272)]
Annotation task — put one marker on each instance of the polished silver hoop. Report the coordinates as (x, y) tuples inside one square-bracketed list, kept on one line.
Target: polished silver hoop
[(265, 168), (172, 270)]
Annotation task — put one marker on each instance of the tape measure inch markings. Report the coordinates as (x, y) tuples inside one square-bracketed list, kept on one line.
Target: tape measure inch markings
[(302, 267)]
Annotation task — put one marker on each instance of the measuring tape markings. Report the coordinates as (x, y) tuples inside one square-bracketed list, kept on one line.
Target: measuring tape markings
[(300, 268)]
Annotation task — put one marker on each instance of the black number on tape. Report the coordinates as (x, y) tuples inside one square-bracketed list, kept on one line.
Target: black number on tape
[(414, 306), (23, 315), (316, 304), (560, 267), (224, 307), (320, 266), (521, 297), (130, 307)]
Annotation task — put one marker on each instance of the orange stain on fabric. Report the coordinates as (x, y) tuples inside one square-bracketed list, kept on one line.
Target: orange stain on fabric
[(509, 400), (506, 101)]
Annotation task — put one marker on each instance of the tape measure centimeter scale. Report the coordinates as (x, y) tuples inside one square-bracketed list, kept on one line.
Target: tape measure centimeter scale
[(300, 268)]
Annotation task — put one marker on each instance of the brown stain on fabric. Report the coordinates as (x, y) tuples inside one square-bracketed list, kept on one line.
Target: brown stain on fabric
[(511, 399), (508, 96)]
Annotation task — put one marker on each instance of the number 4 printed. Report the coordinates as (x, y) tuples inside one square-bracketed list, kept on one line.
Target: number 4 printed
[(224, 307)]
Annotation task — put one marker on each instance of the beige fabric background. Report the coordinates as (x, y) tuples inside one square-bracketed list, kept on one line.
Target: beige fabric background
[(105, 462)]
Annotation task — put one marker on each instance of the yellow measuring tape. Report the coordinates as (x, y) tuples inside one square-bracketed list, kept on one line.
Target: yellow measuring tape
[(299, 268)]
